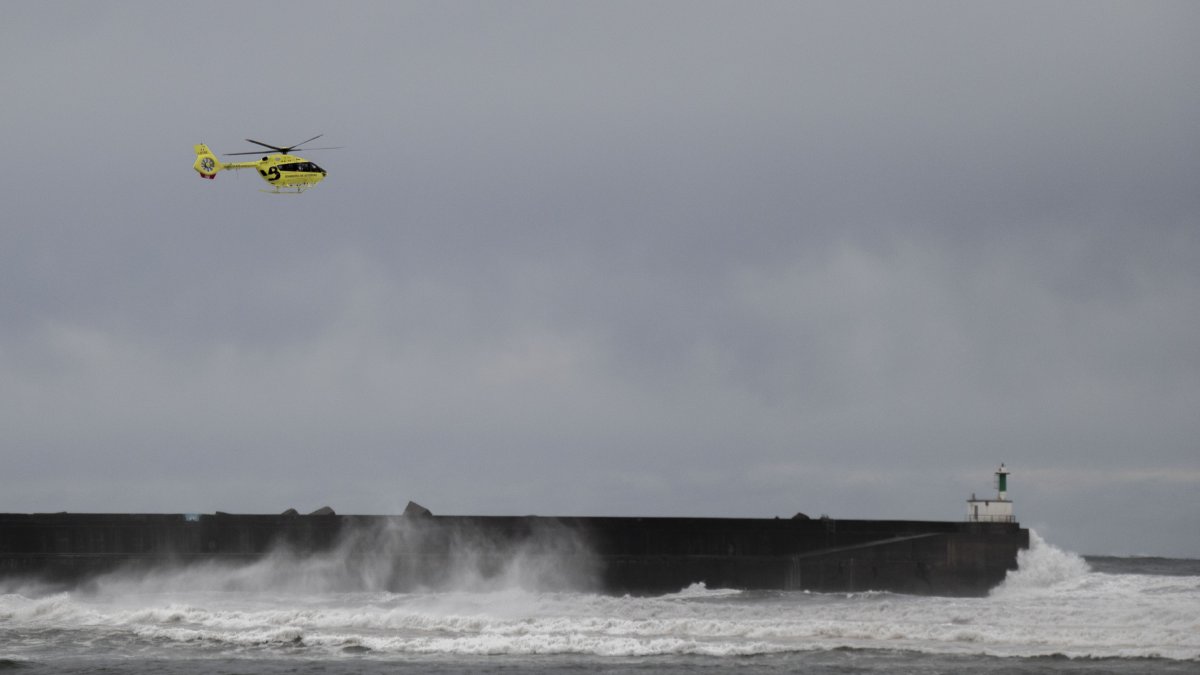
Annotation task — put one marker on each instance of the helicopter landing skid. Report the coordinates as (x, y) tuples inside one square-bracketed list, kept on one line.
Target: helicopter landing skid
[(285, 191)]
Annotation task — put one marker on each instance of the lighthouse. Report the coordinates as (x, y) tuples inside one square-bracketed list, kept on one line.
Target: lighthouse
[(995, 510)]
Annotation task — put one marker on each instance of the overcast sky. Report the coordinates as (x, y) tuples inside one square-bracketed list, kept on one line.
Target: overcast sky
[(608, 258)]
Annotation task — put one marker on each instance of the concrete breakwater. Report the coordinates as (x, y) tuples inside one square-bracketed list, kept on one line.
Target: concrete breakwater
[(606, 554)]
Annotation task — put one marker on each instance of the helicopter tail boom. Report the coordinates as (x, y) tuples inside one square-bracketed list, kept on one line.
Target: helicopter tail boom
[(207, 164)]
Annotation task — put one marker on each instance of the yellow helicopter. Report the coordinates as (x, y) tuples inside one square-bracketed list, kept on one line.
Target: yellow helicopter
[(283, 171)]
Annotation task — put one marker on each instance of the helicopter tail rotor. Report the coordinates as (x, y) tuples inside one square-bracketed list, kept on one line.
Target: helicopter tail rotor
[(207, 164)]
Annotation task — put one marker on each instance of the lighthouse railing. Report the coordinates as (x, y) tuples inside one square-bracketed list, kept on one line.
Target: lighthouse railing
[(985, 518)]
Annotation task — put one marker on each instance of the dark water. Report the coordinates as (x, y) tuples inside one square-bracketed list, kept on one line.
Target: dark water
[(838, 661), (1175, 567), (1058, 613)]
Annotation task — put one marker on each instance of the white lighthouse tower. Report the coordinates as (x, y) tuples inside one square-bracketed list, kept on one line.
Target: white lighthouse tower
[(997, 510)]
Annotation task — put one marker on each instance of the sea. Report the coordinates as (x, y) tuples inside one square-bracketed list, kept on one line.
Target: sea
[(1057, 613)]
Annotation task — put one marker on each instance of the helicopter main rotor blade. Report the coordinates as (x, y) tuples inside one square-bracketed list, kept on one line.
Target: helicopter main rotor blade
[(282, 150), (268, 145), (303, 142), (270, 152)]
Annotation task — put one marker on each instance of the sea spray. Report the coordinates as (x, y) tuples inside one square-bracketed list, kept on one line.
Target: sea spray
[(395, 554), (1042, 566), (1050, 607)]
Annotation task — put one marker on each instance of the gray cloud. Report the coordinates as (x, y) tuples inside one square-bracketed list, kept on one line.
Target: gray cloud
[(637, 258)]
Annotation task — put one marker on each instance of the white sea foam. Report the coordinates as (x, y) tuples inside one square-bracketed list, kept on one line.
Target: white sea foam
[(1042, 567), (1054, 604), (700, 590)]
